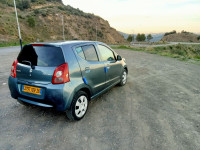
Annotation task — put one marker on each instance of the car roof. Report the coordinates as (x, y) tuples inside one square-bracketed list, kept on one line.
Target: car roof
[(69, 43)]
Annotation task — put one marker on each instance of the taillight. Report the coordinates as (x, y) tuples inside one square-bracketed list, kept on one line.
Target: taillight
[(61, 74), (13, 69)]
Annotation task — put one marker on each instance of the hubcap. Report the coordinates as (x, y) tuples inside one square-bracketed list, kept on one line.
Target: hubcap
[(81, 106), (124, 77)]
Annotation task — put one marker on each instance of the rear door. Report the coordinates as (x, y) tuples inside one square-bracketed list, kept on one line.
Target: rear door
[(92, 69), (36, 63), (113, 67)]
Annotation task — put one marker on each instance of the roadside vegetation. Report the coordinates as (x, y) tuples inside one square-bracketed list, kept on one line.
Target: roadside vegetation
[(8, 44), (180, 51)]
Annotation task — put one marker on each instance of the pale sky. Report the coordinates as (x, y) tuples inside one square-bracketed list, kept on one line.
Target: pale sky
[(144, 16)]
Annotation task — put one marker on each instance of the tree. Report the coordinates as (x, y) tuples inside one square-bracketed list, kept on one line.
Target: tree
[(198, 38), (149, 37), (130, 38), (143, 37), (140, 37)]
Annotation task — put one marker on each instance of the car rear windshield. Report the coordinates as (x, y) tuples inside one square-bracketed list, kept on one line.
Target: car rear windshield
[(45, 56)]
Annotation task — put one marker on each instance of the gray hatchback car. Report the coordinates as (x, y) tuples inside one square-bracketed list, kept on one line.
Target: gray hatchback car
[(65, 75)]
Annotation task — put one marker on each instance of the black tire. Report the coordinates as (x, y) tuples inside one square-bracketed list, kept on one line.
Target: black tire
[(23, 103), (122, 80), (72, 112)]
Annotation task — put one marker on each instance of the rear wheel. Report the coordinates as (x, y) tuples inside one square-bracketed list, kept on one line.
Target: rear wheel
[(123, 78), (79, 106)]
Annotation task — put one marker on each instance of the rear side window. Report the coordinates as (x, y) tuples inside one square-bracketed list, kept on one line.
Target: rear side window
[(79, 51), (44, 56), (87, 52)]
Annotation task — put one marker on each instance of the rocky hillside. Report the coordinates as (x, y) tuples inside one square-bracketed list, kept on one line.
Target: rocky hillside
[(181, 37), (41, 20)]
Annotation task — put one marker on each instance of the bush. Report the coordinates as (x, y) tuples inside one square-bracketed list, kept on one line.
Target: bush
[(36, 11), (99, 34), (185, 32), (43, 12), (61, 8), (23, 4), (172, 32), (31, 22)]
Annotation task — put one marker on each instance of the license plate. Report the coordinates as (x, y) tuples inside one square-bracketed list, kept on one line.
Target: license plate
[(32, 90)]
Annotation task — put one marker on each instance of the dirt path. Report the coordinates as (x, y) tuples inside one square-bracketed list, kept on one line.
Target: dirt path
[(158, 109)]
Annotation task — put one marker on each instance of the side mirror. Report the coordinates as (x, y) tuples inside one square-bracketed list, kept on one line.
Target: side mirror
[(119, 57)]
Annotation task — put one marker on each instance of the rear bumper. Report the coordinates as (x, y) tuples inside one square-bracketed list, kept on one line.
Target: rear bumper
[(35, 103), (55, 96)]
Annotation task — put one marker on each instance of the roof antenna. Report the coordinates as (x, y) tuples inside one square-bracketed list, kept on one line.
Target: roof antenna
[(20, 38)]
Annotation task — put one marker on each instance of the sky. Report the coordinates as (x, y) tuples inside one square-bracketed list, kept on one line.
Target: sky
[(145, 16)]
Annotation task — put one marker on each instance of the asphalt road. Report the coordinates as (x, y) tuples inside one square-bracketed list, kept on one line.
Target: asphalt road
[(158, 109)]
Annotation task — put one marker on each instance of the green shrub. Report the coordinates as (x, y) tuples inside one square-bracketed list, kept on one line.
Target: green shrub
[(36, 11), (43, 12), (61, 8), (172, 32), (31, 21), (23, 4), (99, 34)]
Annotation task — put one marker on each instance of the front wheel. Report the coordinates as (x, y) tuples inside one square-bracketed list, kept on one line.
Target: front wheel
[(123, 78), (79, 106)]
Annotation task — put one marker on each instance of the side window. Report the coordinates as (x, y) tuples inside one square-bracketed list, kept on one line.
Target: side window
[(106, 54), (79, 51), (90, 53)]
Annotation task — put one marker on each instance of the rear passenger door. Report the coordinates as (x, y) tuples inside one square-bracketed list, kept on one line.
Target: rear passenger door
[(112, 67), (92, 69)]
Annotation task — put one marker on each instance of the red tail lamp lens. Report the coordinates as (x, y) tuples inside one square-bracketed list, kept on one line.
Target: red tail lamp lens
[(61, 74), (13, 69)]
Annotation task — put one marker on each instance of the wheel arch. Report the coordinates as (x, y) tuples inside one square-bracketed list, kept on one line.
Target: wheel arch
[(126, 69), (86, 90)]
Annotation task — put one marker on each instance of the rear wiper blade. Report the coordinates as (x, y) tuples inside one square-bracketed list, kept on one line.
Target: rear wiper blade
[(26, 61)]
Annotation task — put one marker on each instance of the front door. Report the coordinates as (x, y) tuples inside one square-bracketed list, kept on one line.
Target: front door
[(113, 67)]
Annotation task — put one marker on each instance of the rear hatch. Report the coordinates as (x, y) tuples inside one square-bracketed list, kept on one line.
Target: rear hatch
[(37, 63)]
